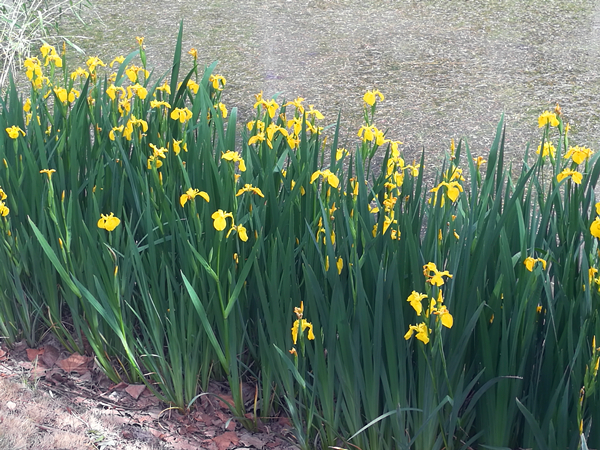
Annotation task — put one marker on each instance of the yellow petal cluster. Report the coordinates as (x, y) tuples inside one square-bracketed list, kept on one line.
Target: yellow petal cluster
[(158, 153), (453, 190), (218, 82), (531, 262), (3, 208), (108, 222), (48, 172), (421, 330), (219, 221), (191, 194), (579, 154), (547, 118), (577, 177), (433, 275), (371, 96), (240, 231), (327, 175), (181, 114), (235, 158), (13, 132), (371, 133), (304, 324), (249, 188), (415, 301), (270, 105), (548, 150), (595, 227)]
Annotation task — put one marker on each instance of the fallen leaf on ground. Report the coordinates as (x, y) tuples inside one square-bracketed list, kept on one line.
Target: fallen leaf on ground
[(221, 415), (87, 376), (252, 441), (225, 401), (284, 422), (181, 445), (135, 390), (226, 439), (50, 355), (38, 372), (74, 363), (33, 353), (118, 387)]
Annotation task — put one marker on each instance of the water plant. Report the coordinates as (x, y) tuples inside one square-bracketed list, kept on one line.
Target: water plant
[(375, 308)]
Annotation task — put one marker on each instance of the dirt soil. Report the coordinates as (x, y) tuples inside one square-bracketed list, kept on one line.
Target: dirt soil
[(50, 399), (448, 69)]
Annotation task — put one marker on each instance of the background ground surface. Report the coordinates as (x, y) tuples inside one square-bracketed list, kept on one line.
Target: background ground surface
[(447, 69)]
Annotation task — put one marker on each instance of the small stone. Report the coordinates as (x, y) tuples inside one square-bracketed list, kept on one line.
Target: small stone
[(11, 405)]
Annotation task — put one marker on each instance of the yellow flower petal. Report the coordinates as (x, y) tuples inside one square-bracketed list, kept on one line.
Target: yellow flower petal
[(595, 227), (108, 222)]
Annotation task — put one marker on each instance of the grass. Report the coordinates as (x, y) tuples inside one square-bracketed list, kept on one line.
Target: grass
[(374, 310), (26, 24)]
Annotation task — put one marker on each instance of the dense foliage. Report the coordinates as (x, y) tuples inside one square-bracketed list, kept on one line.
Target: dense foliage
[(375, 311)]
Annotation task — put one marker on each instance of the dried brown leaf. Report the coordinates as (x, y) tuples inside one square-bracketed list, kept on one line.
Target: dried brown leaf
[(49, 356), (226, 401), (74, 363), (252, 441), (135, 390), (226, 439), (33, 353)]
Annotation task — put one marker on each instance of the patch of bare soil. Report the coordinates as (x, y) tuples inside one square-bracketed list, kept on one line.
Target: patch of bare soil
[(50, 399)]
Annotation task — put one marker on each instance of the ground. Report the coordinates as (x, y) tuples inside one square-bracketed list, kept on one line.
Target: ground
[(50, 399)]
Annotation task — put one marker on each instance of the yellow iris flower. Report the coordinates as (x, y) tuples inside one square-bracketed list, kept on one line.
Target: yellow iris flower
[(415, 301), (219, 217), (371, 96), (48, 172), (547, 117), (579, 154), (595, 227), (181, 114), (94, 62), (234, 157), (108, 222), (3, 209), (453, 189), (530, 263), (249, 188), (548, 150), (421, 330), (577, 177), (177, 146), (117, 60), (13, 132), (191, 194), (445, 316), (218, 82), (271, 105), (241, 232), (433, 275), (327, 175), (302, 324)]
